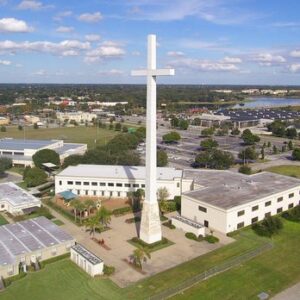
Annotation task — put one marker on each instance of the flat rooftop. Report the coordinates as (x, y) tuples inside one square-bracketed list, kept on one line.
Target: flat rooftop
[(28, 236), (108, 172), (16, 196), (226, 189), (20, 144), (88, 255)]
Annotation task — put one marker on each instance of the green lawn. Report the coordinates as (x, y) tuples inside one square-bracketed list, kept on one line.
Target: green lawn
[(79, 134), (58, 222), (272, 271), (288, 170), (3, 221)]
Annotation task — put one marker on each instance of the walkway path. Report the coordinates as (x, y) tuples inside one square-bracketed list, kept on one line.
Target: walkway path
[(117, 239), (292, 293)]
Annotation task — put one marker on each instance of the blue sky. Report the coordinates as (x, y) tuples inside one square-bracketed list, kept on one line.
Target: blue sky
[(94, 41)]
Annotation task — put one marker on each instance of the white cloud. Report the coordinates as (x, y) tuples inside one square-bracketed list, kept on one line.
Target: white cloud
[(41, 72), (268, 59), (14, 25), (63, 14), (175, 54), (90, 17), (295, 68), (64, 48), (286, 24), (64, 29), (295, 53), (233, 60), (136, 53), (112, 72), (92, 37), (108, 49), (32, 5), (204, 65), (5, 62)]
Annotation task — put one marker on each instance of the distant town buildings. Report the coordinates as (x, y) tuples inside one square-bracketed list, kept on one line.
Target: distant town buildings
[(78, 116)]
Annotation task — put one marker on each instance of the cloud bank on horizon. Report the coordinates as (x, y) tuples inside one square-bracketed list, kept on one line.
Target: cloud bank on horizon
[(208, 42)]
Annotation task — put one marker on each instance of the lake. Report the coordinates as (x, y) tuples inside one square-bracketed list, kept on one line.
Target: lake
[(259, 102)]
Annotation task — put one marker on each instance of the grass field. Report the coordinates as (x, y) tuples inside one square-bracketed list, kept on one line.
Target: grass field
[(271, 272), (3, 221), (79, 134), (288, 170)]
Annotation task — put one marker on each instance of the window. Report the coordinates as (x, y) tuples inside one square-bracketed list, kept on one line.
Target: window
[(136, 185), (86, 192), (119, 184), (94, 184), (86, 183), (254, 220), (291, 205), (110, 194), (279, 199), (2, 205), (240, 225), (102, 193), (241, 213), (78, 192), (119, 194), (102, 184), (267, 214), (77, 183), (254, 208), (201, 208), (69, 182), (94, 193), (178, 184), (127, 185), (291, 195), (206, 223), (268, 203), (60, 182), (143, 186), (110, 184), (279, 210)]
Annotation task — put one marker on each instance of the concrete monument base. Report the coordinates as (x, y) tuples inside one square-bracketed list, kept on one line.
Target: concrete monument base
[(150, 230)]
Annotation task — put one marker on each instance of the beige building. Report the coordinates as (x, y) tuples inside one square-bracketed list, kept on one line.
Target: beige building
[(4, 121), (28, 242)]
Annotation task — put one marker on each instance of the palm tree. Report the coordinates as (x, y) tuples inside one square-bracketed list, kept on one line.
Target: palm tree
[(75, 204), (81, 208), (163, 195), (104, 216), (140, 255), (90, 204), (92, 224)]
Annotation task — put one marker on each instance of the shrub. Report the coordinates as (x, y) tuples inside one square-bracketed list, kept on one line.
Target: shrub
[(292, 214), (192, 236), (53, 259), (177, 200), (141, 243), (108, 270), (121, 211), (133, 220), (268, 227), (211, 239), (169, 224), (35, 177), (245, 170), (8, 281)]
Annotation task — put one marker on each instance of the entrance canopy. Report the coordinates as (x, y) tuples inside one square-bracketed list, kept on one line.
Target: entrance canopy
[(67, 195)]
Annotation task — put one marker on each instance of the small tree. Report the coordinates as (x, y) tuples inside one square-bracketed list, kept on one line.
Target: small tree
[(118, 127), (35, 126), (163, 194), (104, 216), (3, 129), (171, 137), (35, 177), (209, 144), (275, 150), (296, 154), (249, 138), (139, 256), (248, 153), (235, 131), (208, 131), (92, 224), (262, 152), (290, 145), (45, 156), (183, 124), (162, 158), (20, 127), (5, 164), (268, 227), (269, 144), (89, 204)]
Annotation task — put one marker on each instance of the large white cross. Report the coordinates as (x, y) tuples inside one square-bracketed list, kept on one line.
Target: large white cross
[(150, 229), (151, 73)]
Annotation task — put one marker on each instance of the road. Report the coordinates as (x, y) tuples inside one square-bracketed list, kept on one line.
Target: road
[(292, 293)]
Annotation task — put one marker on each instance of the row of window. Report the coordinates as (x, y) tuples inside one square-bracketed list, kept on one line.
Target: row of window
[(110, 184), (268, 214), (102, 193), (268, 203)]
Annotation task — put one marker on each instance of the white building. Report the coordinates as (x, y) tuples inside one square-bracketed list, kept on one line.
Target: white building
[(28, 242), (78, 116), (226, 201), (117, 181), (86, 260), (21, 151), (15, 200)]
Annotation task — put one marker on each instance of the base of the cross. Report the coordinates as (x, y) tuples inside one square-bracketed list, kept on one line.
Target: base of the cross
[(150, 230)]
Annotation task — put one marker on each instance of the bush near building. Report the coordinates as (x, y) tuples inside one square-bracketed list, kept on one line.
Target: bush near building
[(45, 156), (162, 158), (268, 227), (292, 214), (35, 177), (171, 137), (192, 236), (5, 164)]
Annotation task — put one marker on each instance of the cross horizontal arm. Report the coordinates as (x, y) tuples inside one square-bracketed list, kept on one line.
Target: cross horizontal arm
[(158, 72)]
